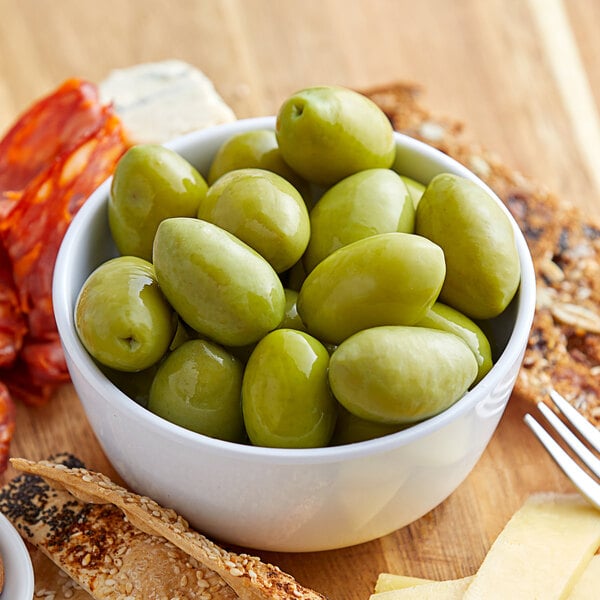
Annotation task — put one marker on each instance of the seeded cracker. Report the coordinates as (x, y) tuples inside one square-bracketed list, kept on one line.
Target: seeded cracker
[(564, 345), (79, 519), (52, 583), (100, 549)]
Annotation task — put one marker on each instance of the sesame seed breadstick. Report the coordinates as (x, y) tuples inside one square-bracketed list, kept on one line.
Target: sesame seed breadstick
[(51, 581), (247, 575), (97, 546)]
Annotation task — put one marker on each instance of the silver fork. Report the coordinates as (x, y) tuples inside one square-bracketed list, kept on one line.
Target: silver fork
[(586, 484)]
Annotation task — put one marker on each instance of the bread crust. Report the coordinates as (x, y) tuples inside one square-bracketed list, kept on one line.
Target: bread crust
[(53, 582), (96, 499), (100, 549), (563, 351)]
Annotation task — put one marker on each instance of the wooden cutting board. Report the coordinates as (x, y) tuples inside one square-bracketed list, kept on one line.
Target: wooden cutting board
[(522, 74)]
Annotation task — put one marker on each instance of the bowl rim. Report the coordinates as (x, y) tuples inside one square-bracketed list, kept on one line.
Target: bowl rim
[(18, 567), (63, 307)]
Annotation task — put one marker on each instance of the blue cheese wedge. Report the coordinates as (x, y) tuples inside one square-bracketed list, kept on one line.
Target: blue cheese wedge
[(160, 101)]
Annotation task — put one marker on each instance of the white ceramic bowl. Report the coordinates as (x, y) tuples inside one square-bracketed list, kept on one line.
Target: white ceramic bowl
[(281, 499), (18, 571)]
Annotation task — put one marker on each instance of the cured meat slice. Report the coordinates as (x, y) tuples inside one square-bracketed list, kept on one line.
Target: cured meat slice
[(7, 424), (51, 160), (34, 228), (12, 323), (52, 126)]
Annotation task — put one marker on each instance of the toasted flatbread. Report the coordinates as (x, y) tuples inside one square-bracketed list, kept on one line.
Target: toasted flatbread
[(104, 536), (53, 582), (100, 549), (564, 346)]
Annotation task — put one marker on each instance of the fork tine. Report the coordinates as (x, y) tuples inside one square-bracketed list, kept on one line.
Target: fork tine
[(582, 481), (571, 439), (587, 430)]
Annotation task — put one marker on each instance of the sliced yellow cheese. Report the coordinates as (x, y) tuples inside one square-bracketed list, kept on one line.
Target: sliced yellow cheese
[(453, 589), (541, 552), (400, 587), (391, 581), (588, 585)]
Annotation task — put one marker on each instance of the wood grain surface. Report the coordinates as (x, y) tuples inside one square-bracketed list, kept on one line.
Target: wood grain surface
[(524, 75)]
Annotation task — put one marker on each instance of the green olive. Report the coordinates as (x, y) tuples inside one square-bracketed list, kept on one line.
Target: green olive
[(446, 318), (399, 374), (217, 284), (253, 149), (415, 189), (286, 399), (198, 386), (350, 429), (385, 279), (263, 210), (150, 183), (182, 334), (134, 385), (291, 318), (122, 317), (483, 269), (296, 276), (242, 353), (364, 204), (327, 133)]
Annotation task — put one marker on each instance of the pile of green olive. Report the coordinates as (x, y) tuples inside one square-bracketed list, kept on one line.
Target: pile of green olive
[(302, 292)]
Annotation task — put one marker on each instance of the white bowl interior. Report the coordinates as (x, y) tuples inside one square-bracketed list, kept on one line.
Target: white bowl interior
[(339, 476)]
